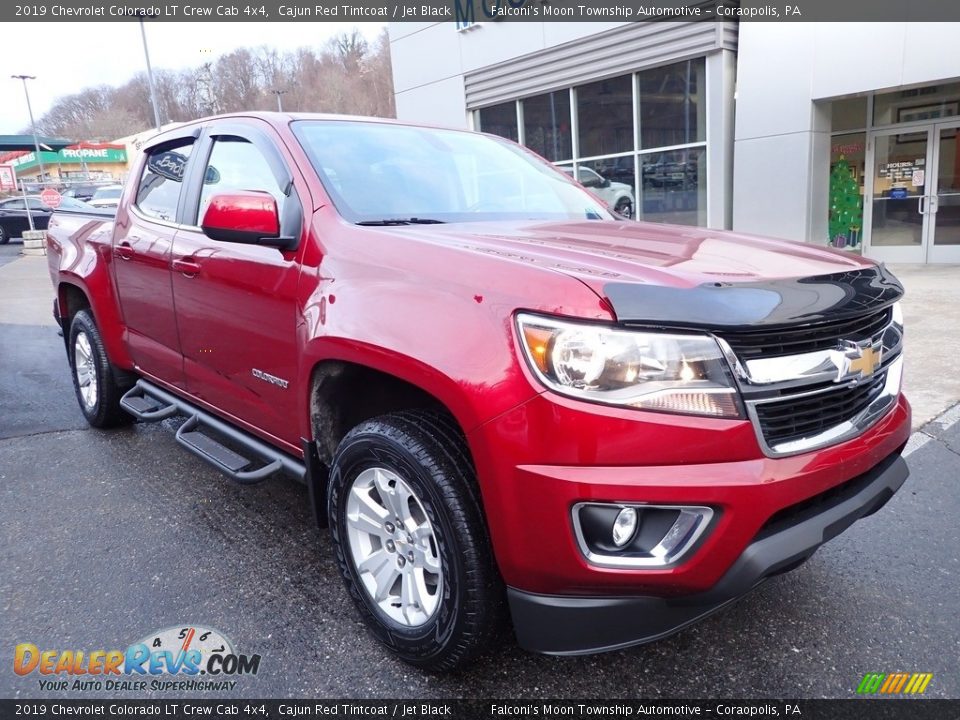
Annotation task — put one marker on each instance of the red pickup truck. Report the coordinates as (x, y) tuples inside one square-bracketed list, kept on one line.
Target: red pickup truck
[(503, 398)]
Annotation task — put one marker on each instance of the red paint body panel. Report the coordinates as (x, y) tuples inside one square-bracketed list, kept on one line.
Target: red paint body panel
[(534, 476), (80, 256), (248, 293), (434, 306)]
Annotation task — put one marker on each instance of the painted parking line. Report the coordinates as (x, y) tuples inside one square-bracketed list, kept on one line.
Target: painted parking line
[(916, 441), (948, 419), (941, 423)]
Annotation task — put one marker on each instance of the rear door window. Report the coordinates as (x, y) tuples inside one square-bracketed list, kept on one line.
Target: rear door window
[(158, 194)]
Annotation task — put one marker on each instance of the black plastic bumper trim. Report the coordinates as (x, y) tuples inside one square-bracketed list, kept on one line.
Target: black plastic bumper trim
[(581, 625)]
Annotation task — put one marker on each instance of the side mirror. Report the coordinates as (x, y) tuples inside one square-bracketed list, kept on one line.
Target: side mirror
[(605, 183), (244, 216)]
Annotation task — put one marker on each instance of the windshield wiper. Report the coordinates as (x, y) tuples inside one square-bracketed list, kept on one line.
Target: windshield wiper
[(402, 221)]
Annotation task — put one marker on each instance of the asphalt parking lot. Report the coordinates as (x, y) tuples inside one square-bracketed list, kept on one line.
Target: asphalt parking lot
[(108, 536)]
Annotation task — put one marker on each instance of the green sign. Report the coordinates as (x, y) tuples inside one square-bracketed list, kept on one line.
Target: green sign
[(71, 156)]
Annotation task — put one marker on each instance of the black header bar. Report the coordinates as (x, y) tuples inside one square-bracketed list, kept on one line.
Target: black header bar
[(178, 708), (466, 12)]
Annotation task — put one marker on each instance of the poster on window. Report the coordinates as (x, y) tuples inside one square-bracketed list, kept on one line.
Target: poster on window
[(8, 179)]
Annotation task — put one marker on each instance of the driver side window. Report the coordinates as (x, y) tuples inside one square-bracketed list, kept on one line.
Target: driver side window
[(237, 164)]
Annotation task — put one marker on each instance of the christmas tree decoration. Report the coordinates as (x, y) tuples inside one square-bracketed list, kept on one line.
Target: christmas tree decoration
[(846, 210)]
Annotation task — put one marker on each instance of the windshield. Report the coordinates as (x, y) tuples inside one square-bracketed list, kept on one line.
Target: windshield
[(69, 203), (377, 172), (107, 193)]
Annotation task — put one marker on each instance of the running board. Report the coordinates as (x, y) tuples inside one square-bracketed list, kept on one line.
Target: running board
[(240, 456), (145, 408)]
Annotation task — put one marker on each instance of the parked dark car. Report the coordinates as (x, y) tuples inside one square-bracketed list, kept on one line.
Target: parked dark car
[(14, 220)]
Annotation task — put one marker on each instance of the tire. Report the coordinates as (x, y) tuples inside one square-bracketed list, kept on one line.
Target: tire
[(459, 604), (98, 392), (4, 236), (624, 207)]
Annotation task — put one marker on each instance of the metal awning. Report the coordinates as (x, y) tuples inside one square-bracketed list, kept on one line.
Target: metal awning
[(10, 143)]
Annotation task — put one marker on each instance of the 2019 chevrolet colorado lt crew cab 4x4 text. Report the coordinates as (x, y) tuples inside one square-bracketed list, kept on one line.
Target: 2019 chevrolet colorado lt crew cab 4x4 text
[(500, 396)]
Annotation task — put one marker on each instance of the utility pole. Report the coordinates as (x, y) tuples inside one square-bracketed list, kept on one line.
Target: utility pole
[(278, 93), (33, 125), (153, 90)]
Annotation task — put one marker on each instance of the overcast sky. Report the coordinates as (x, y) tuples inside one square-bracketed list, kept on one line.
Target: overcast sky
[(67, 57)]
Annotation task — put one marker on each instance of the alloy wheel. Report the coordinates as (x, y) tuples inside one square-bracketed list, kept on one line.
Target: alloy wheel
[(393, 547), (85, 370)]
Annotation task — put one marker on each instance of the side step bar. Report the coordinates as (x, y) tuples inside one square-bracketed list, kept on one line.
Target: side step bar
[(204, 434)]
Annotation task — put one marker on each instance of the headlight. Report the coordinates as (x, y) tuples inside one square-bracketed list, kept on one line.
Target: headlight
[(646, 370)]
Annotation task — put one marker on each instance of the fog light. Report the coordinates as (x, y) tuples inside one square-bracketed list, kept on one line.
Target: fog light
[(624, 526), (614, 534)]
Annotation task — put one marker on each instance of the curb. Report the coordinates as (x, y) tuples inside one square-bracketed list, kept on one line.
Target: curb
[(944, 421)]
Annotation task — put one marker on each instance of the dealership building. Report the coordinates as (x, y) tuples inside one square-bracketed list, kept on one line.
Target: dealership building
[(83, 161), (834, 133)]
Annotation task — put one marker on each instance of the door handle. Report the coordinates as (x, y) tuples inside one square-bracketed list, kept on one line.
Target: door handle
[(125, 251), (920, 207), (188, 266)]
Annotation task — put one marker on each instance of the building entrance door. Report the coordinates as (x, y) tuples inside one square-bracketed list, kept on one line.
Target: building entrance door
[(912, 203)]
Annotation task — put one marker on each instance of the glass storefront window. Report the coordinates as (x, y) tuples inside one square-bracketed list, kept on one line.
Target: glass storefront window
[(624, 162), (927, 103), (849, 114), (605, 117), (674, 186), (899, 184), (948, 189), (546, 125), (847, 168), (613, 180), (672, 105), (500, 120)]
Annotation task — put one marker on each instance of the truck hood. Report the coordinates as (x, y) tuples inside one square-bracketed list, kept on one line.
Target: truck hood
[(679, 275)]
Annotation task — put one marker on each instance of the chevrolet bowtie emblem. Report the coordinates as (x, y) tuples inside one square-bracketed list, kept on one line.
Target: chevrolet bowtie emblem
[(858, 360)]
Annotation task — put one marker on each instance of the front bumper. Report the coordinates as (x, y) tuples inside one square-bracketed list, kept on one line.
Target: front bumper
[(578, 625), (536, 462)]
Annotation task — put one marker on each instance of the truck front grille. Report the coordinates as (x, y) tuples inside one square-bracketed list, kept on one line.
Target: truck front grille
[(796, 418), (749, 344)]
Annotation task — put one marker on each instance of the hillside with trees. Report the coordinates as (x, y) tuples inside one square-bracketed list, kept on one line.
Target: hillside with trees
[(347, 75)]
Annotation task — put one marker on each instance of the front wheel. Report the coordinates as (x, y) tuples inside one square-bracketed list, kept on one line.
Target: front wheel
[(97, 389), (624, 207), (410, 539), (4, 235)]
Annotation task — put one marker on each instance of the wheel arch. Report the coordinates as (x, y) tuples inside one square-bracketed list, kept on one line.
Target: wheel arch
[(343, 393), (73, 296), (70, 299)]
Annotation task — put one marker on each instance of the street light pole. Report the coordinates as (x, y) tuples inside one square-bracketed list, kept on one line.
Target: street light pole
[(153, 90), (33, 125), (278, 93)]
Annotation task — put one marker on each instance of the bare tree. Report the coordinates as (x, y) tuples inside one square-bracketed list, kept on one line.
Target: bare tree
[(350, 49), (347, 75)]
